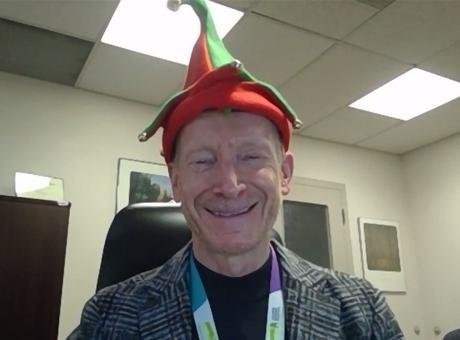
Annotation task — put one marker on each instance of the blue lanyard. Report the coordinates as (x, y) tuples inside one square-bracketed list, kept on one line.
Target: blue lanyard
[(204, 321)]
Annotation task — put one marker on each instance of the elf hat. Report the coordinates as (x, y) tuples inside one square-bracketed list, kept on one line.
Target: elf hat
[(217, 82)]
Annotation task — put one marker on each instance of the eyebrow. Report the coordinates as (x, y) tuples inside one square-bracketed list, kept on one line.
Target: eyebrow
[(244, 143), (255, 143), (196, 150)]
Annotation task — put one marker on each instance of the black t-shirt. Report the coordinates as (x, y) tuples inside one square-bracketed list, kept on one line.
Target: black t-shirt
[(239, 304)]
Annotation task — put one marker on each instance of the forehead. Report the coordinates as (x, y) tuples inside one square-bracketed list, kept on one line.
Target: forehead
[(231, 127)]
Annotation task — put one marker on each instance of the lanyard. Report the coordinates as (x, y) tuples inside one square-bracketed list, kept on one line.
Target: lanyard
[(204, 321)]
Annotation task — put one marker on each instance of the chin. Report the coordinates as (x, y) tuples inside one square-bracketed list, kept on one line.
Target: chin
[(232, 245)]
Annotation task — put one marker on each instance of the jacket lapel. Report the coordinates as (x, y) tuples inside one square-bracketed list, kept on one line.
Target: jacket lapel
[(310, 314), (167, 312)]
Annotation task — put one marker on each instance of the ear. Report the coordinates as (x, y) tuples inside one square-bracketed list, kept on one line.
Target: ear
[(287, 170), (174, 178)]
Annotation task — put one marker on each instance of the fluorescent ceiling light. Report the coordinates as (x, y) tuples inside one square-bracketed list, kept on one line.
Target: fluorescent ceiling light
[(149, 27), (409, 95)]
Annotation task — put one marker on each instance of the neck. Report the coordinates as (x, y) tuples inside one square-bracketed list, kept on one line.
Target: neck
[(233, 265)]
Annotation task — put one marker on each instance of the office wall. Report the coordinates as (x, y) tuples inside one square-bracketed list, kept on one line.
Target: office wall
[(77, 135), (432, 175), (375, 189)]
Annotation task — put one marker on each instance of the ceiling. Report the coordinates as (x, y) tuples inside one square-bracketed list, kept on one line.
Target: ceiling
[(321, 54)]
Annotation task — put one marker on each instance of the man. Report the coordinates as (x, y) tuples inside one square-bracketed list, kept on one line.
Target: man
[(226, 139)]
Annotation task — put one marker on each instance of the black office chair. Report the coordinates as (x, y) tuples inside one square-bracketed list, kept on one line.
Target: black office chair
[(141, 237), (453, 335)]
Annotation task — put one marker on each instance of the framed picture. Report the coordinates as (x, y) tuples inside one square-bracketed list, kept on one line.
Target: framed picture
[(381, 254), (140, 181)]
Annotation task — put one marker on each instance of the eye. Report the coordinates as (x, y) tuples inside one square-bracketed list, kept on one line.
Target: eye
[(201, 162), (250, 157)]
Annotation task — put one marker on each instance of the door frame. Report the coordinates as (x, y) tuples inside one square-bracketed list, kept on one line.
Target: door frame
[(341, 189)]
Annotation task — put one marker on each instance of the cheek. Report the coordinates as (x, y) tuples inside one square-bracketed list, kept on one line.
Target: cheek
[(268, 180), (191, 188)]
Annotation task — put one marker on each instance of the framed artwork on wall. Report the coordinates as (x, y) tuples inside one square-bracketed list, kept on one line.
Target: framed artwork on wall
[(381, 254), (140, 181)]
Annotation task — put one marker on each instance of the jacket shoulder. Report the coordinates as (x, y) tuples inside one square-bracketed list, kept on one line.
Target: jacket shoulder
[(363, 311), (113, 311)]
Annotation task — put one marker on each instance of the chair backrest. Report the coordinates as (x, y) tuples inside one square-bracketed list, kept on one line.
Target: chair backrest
[(141, 237), (453, 335)]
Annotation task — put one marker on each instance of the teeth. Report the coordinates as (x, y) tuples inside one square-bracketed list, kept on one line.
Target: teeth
[(229, 213)]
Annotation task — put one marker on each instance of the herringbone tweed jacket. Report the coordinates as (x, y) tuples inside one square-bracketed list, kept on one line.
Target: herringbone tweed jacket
[(319, 304)]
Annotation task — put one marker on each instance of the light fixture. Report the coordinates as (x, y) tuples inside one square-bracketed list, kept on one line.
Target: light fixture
[(410, 95), (149, 27)]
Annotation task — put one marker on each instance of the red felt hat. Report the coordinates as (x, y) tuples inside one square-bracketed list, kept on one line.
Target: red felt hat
[(217, 81)]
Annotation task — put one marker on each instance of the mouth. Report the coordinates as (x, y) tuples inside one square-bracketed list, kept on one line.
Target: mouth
[(226, 213)]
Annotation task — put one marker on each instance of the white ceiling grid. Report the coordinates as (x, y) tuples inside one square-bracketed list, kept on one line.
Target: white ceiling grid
[(350, 126), (271, 45), (78, 18), (323, 55), (123, 73), (411, 31), (429, 128), (342, 75), (445, 63), (334, 19)]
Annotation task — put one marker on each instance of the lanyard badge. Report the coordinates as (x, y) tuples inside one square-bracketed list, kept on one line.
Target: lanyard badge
[(204, 321)]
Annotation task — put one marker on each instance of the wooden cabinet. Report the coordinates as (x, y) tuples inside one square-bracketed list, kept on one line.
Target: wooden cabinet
[(33, 236)]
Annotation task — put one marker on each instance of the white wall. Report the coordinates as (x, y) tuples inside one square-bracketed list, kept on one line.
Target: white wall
[(76, 135), (433, 184)]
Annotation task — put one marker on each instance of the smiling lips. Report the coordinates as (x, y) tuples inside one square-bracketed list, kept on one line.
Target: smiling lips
[(230, 212)]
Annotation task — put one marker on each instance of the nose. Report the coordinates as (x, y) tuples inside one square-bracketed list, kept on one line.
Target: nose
[(227, 180)]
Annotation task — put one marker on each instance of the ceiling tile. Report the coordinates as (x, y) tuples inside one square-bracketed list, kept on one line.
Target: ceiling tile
[(411, 31), (446, 63), (126, 74), (41, 54), (428, 128), (236, 4), (379, 4), (273, 51), (79, 18), (349, 126), (325, 17), (342, 75)]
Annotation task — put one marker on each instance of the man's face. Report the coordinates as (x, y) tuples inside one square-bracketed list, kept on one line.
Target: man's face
[(229, 173)]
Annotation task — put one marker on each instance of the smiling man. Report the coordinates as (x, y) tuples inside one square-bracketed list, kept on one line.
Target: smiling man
[(229, 172), (226, 141)]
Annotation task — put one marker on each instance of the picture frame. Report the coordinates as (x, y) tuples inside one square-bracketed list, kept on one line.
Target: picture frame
[(381, 254), (140, 181)]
